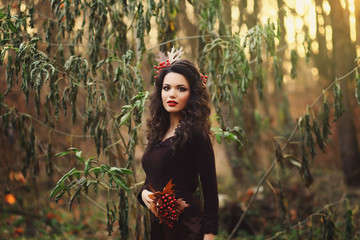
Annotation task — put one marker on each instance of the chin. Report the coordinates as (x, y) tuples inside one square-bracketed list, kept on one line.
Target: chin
[(173, 111)]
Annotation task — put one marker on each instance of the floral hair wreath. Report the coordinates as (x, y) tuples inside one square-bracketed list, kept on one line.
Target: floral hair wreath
[(172, 56)]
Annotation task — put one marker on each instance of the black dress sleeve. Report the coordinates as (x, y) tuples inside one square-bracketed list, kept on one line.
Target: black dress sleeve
[(145, 186), (205, 164)]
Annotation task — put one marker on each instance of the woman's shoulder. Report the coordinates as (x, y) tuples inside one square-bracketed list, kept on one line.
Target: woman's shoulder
[(199, 136)]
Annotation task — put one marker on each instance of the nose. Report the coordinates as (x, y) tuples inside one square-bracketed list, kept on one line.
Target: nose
[(172, 93)]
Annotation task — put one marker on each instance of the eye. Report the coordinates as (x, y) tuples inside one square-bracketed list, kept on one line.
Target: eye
[(165, 88), (182, 89)]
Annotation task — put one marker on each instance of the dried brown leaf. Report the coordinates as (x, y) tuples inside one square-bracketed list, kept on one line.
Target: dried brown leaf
[(175, 54), (182, 204), (172, 56)]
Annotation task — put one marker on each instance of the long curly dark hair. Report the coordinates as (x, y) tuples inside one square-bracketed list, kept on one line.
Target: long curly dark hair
[(195, 115)]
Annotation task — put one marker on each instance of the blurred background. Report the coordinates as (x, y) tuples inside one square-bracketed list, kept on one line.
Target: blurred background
[(285, 92)]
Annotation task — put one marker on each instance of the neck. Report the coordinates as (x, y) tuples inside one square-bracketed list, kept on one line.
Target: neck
[(174, 119)]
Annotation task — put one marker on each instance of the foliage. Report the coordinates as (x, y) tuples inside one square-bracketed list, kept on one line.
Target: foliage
[(56, 79), (83, 61), (223, 58), (236, 135), (92, 176)]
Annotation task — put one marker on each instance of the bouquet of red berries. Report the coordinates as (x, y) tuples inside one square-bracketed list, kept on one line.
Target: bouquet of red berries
[(165, 206)]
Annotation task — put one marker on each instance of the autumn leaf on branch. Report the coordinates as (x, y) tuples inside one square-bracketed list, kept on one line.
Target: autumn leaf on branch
[(165, 206)]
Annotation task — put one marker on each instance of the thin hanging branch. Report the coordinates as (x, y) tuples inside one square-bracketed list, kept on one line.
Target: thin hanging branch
[(267, 173), (46, 126), (307, 219)]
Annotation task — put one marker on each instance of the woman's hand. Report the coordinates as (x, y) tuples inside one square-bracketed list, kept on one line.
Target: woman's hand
[(145, 197), (209, 236)]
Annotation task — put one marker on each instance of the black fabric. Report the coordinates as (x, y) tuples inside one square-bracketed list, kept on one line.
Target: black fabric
[(184, 167)]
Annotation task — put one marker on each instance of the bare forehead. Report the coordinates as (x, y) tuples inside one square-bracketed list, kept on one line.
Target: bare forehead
[(175, 79)]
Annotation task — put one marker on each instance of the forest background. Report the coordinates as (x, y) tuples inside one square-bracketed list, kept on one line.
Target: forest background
[(284, 84)]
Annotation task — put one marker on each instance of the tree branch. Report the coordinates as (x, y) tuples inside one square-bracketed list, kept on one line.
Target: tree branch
[(283, 149)]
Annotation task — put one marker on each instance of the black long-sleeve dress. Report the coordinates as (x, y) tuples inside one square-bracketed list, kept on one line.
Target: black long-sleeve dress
[(194, 159)]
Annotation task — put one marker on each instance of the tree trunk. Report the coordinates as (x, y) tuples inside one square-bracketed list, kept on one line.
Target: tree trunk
[(226, 15), (357, 16), (183, 19), (343, 61), (322, 58), (248, 158)]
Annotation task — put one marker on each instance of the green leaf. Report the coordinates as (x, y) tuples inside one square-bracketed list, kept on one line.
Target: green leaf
[(126, 171), (127, 107), (76, 194), (78, 154), (349, 228), (329, 226), (2, 55), (9, 74), (60, 184), (110, 219), (325, 121), (125, 118), (96, 171), (140, 28), (77, 174), (104, 168), (235, 134), (218, 138), (309, 137), (278, 73), (12, 27), (357, 90), (100, 63), (79, 157), (307, 48), (56, 190), (304, 169), (120, 170), (59, 196), (48, 160), (294, 161), (119, 181), (278, 153), (315, 128), (293, 59), (338, 104), (305, 172), (62, 153)]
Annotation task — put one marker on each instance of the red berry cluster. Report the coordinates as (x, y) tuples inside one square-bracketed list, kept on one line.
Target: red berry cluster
[(161, 66), (165, 206), (168, 209)]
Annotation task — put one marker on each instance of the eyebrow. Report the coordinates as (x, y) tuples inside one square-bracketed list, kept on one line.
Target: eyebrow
[(180, 85)]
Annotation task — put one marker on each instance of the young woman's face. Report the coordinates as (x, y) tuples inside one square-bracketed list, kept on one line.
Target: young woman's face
[(175, 92)]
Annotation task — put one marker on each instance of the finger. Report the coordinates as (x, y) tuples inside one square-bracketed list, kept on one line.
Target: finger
[(148, 199)]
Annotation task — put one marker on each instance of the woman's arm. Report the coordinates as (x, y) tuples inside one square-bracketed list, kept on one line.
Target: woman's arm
[(205, 164), (141, 192), (209, 236)]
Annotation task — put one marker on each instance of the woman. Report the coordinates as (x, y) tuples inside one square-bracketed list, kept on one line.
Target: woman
[(179, 149)]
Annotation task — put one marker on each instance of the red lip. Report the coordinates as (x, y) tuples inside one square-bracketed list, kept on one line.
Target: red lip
[(172, 103)]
